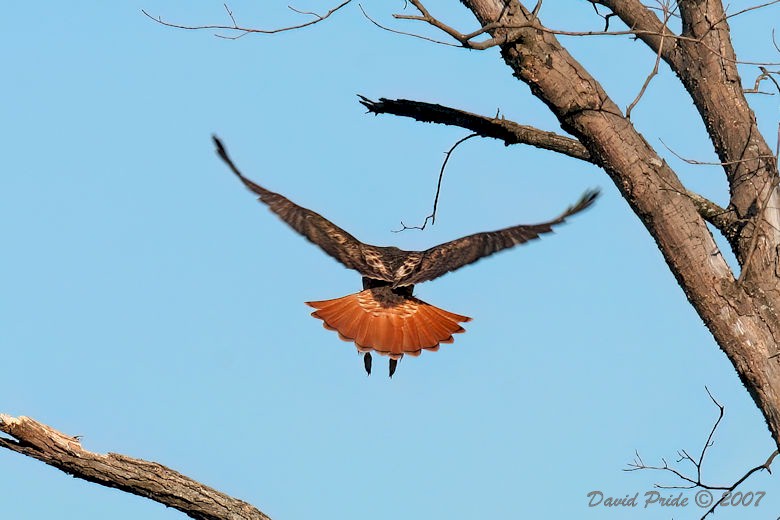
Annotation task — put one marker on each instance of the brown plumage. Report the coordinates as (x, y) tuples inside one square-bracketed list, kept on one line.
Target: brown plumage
[(385, 317)]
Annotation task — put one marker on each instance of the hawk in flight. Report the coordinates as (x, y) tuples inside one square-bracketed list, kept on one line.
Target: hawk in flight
[(384, 316)]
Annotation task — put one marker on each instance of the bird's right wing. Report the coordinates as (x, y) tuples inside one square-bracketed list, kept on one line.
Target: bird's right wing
[(449, 256), (332, 239)]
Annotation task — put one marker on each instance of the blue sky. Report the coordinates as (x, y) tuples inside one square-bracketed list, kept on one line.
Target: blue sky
[(152, 306)]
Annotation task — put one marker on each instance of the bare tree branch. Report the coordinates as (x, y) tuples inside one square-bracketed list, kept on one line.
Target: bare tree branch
[(747, 9), (707, 163), (646, 26), (243, 30), (696, 482), (654, 72), (765, 74), (514, 133), (136, 476), (497, 128), (404, 33), (724, 220), (465, 40), (507, 33)]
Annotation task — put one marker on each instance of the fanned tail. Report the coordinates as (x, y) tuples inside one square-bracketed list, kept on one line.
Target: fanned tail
[(388, 323)]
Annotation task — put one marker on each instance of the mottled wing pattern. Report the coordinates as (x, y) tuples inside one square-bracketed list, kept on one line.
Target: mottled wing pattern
[(449, 256), (329, 237)]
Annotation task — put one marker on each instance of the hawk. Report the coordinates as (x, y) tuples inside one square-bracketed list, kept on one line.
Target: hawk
[(385, 317)]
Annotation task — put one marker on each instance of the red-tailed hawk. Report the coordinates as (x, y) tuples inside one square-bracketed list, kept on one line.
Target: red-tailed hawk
[(384, 317)]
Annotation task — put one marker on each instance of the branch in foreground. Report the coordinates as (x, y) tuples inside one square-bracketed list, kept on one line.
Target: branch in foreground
[(136, 476)]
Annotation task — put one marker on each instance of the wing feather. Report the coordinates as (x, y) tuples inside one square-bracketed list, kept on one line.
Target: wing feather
[(453, 255), (317, 229)]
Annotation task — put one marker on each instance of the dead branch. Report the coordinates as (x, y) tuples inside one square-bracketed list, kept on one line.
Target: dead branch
[(606, 17), (765, 74), (432, 216), (506, 33), (746, 10), (511, 133), (646, 26), (494, 127), (696, 482), (725, 220), (465, 40), (249, 30), (136, 476)]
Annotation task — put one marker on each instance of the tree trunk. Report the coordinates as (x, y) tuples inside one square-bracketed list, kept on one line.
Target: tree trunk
[(740, 312)]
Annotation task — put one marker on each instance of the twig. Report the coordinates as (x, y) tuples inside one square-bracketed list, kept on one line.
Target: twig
[(654, 72), (774, 42), (747, 9), (765, 466), (605, 17), (248, 30), (537, 8), (639, 464), (713, 163), (463, 39), (765, 74), (511, 132), (432, 216), (404, 33), (777, 148)]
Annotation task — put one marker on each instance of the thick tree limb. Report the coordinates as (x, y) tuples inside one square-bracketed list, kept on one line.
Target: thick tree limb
[(495, 127), (741, 316), (725, 220), (705, 61), (514, 133), (139, 477)]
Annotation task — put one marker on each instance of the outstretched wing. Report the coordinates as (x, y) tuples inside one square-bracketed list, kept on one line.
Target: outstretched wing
[(449, 256), (332, 239)]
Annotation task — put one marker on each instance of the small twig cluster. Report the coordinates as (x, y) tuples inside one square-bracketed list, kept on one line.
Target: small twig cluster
[(691, 482)]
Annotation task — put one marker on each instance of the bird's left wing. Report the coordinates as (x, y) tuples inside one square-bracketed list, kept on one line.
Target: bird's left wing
[(449, 256), (329, 237)]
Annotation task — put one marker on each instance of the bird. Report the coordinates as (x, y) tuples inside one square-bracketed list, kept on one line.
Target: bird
[(385, 317)]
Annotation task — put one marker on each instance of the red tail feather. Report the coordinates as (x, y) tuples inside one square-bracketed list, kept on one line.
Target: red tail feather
[(392, 325)]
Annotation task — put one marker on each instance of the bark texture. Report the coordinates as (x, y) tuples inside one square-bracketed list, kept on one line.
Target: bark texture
[(139, 477), (740, 312)]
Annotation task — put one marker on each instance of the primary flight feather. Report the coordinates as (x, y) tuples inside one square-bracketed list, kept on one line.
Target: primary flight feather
[(385, 317)]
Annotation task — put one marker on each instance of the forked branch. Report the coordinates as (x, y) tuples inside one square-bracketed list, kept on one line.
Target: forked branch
[(136, 476), (693, 482)]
